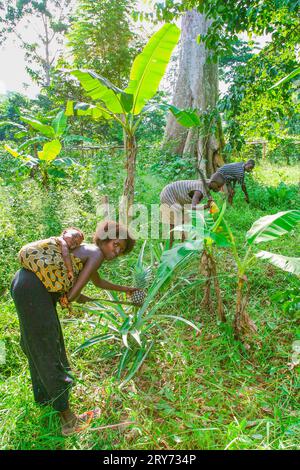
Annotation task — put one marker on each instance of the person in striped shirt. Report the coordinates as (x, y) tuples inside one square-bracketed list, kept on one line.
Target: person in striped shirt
[(185, 194), (235, 173)]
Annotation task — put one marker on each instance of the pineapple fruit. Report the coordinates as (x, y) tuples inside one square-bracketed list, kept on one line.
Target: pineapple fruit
[(141, 279)]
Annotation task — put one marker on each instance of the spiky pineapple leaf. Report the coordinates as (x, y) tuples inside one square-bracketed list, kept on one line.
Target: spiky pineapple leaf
[(94, 340), (184, 320), (139, 360)]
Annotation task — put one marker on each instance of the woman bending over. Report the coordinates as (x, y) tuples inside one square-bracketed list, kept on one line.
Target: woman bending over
[(35, 292)]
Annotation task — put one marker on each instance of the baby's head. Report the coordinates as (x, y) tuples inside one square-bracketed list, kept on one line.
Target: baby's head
[(73, 237)]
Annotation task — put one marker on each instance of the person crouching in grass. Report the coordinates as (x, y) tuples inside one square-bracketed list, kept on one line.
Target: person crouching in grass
[(177, 196), (235, 173)]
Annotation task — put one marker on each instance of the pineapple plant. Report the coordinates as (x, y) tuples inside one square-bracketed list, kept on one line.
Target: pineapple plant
[(123, 323), (142, 275), (141, 279)]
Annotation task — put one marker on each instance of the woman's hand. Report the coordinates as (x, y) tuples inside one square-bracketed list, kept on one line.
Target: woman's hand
[(64, 302), (130, 290)]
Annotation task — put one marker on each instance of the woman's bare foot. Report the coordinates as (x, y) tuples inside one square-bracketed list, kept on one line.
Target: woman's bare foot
[(72, 424), (68, 419)]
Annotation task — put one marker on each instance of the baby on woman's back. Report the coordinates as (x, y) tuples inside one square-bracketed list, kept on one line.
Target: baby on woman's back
[(51, 261)]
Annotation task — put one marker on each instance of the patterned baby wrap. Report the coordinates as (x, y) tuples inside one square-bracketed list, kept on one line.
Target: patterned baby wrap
[(44, 258)]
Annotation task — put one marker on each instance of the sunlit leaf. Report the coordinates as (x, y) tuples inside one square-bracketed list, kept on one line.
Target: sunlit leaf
[(99, 88), (149, 66), (46, 130), (273, 226), (59, 123), (12, 124), (50, 150), (185, 117), (20, 134), (12, 151), (69, 108), (286, 263)]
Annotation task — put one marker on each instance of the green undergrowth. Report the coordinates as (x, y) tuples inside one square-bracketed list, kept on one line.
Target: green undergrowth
[(195, 390)]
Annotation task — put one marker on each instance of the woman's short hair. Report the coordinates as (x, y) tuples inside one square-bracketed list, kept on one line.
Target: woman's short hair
[(110, 230)]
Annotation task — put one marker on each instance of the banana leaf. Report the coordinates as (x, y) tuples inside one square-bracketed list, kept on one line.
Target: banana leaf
[(12, 151), (185, 117), (273, 226), (59, 123), (44, 129), (29, 142), (87, 109), (12, 124), (50, 150), (286, 263), (149, 66), (100, 89), (27, 159)]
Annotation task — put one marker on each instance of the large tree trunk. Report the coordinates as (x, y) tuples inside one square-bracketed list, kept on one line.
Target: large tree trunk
[(197, 87), (46, 61)]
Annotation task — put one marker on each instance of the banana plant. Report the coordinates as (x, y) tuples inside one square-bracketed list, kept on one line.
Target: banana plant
[(214, 236), (37, 131), (265, 229), (44, 140), (217, 233), (43, 160), (128, 107), (206, 232)]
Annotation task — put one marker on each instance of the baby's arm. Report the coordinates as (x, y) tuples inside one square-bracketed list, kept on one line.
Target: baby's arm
[(66, 257)]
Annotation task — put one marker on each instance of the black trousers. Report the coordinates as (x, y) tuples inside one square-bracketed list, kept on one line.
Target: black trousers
[(42, 340)]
